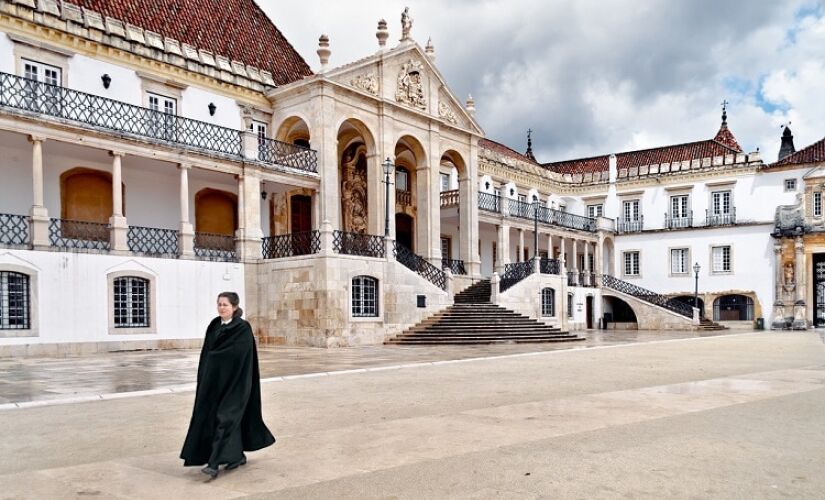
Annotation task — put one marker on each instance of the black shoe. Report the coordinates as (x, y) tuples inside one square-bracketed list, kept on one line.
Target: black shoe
[(237, 464), (209, 471)]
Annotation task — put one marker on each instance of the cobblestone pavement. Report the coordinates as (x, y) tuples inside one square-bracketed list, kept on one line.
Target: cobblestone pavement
[(43, 379)]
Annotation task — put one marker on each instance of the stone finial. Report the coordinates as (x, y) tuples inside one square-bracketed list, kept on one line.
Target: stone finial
[(406, 24), (323, 51), (430, 49), (471, 105), (382, 33)]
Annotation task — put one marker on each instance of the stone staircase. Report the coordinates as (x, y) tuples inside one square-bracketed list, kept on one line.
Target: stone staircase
[(707, 325), (474, 320)]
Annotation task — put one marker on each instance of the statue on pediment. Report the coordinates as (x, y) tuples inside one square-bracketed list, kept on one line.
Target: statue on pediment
[(406, 24)]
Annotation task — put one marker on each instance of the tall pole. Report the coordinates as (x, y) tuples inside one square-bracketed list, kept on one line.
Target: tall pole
[(387, 167), (535, 229), (696, 288)]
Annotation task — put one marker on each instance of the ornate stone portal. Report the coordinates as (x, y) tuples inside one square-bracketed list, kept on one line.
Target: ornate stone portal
[(410, 87), (354, 189), (789, 309)]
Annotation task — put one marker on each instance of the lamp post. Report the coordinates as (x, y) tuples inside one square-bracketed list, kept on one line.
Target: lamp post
[(696, 268), (536, 227), (388, 166)]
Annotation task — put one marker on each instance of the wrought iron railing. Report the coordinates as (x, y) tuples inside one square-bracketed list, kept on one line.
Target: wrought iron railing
[(489, 202), (403, 197), (587, 278), (450, 198), (566, 219), (153, 241), (549, 266), (365, 245), (572, 278), (647, 295), (79, 235), (120, 117), (14, 230), (216, 247), (514, 273), (672, 222), (288, 155), (420, 265), (454, 265), (727, 219), (630, 225), (518, 208), (289, 245)]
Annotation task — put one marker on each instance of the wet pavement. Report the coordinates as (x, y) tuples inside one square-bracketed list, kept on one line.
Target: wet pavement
[(25, 380)]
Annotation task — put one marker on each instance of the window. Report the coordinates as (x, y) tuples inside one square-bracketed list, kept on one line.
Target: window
[(818, 204), (42, 93), (631, 210), (364, 296), (679, 206), (562, 208), (720, 203), (679, 261), (721, 259), (631, 263), (570, 305), (497, 192), (131, 302), (548, 302), (595, 210), (495, 255), (259, 129), (402, 179), (162, 121), (445, 182), (15, 312), (790, 185), (445, 248)]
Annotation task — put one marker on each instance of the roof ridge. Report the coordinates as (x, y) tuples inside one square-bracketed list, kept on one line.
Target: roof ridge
[(789, 159)]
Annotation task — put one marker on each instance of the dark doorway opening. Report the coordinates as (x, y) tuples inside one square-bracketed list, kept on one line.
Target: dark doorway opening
[(301, 223), (404, 230), (588, 311)]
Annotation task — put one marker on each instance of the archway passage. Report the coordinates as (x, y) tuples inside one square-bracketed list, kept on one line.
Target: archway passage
[(733, 307), (86, 196), (618, 311), (404, 230), (354, 197), (216, 212)]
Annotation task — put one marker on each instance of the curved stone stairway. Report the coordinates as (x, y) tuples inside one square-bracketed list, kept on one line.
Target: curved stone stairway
[(474, 320)]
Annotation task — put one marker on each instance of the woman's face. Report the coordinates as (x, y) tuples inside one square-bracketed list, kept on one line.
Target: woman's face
[(225, 309)]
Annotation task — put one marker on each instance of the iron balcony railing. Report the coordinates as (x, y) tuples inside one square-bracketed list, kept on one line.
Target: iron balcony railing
[(79, 235), (530, 211), (672, 222), (514, 273), (647, 295), (365, 245), (565, 219), (287, 155), (403, 198), (549, 266), (153, 241), (587, 278), (727, 219), (572, 278), (518, 208), (290, 245), (420, 265), (489, 202), (630, 225), (14, 230), (454, 265), (215, 247), (450, 198)]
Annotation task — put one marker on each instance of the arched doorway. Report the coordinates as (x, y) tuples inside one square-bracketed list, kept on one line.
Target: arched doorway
[(216, 212), (300, 214), (618, 313), (360, 180), (608, 266), (733, 307), (404, 231), (86, 196)]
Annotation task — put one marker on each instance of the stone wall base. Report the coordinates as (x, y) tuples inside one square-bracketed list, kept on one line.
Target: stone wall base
[(65, 349)]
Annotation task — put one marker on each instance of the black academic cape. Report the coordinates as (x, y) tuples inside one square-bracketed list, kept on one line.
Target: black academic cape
[(226, 419)]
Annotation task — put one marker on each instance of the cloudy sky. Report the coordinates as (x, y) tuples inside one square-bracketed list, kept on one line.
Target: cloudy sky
[(594, 77)]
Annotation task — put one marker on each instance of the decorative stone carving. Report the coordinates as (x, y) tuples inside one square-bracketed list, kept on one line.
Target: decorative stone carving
[(366, 82), (446, 113), (354, 190), (789, 274), (406, 24), (410, 88)]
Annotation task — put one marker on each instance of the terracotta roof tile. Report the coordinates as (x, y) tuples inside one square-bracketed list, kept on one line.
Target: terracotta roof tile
[(502, 149), (238, 29), (726, 137), (810, 154)]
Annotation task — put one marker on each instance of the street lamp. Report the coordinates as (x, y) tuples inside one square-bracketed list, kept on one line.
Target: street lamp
[(696, 268), (388, 166), (536, 227)]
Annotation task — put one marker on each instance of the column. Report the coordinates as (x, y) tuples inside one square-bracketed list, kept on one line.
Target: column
[(800, 314), (520, 255), (249, 234), (118, 223), (574, 266), (38, 213), (186, 238), (599, 258), (325, 138), (425, 225), (550, 246), (562, 263), (586, 280), (778, 322), (502, 248)]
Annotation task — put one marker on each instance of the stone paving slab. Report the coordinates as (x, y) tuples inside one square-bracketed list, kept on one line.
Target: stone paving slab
[(35, 381)]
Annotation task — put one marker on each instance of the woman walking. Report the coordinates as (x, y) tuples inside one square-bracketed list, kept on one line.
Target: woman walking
[(226, 419)]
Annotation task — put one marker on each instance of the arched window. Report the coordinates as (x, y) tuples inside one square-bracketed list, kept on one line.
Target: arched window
[(548, 302), (364, 296), (15, 304), (733, 308), (131, 302)]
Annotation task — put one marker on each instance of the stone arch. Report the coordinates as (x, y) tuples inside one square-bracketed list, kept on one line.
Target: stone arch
[(216, 212), (733, 307), (294, 130), (360, 179), (457, 160), (618, 311), (86, 195), (609, 256)]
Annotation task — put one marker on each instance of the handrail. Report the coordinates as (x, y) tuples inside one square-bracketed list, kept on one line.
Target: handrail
[(420, 265), (647, 295), (289, 245), (514, 273), (535, 211), (449, 198)]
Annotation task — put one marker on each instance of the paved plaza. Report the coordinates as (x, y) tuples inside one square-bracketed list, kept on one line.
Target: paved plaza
[(631, 415)]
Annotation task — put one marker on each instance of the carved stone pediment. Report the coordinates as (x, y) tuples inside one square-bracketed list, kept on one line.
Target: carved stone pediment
[(410, 85), (445, 112), (367, 82)]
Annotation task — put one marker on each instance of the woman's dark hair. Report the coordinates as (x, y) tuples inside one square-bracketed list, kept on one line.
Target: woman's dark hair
[(234, 300)]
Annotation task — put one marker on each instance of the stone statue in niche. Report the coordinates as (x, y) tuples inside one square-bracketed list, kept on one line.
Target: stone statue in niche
[(410, 87), (354, 190), (789, 274)]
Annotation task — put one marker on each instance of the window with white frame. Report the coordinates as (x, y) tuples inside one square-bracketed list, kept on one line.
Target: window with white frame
[(595, 210), (720, 203), (548, 302), (445, 247), (679, 261), (131, 302), (679, 206), (790, 185), (162, 121), (818, 204), (402, 177), (259, 129), (631, 263), (15, 301), (631, 210), (445, 182), (364, 296), (721, 259), (42, 92)]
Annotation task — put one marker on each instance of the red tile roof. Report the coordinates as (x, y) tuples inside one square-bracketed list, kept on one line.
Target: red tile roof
[(237, 29), (502, 149), (811, 154), (725, 136)]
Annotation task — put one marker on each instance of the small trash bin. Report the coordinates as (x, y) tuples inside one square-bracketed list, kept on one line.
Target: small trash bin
[(608, 317), (760, 323)]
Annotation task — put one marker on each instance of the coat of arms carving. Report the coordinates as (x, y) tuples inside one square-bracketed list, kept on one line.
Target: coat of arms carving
[(410, 88)]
